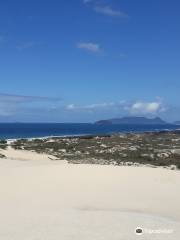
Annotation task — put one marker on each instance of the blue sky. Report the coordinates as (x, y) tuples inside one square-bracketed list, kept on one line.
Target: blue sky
[(80, 60)]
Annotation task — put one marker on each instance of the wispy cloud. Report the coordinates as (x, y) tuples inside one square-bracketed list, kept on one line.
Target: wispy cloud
[(87, 1), (90, 46), (105, 9), (26, 45), (109, 11), (1, 38), (21, 98), (10, 103), (91, 107)]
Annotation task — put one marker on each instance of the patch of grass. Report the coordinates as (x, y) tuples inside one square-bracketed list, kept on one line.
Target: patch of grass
[(3, 144), (146, 148), (2, 156), (3, 141)]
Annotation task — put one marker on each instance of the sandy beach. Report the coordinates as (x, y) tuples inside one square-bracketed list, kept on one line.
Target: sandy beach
[(53, 200)]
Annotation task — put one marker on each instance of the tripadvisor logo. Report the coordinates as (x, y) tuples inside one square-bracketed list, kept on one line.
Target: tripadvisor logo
[(139, 231)]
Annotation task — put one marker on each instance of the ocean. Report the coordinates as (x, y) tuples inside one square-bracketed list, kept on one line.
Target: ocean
[(35, 130)]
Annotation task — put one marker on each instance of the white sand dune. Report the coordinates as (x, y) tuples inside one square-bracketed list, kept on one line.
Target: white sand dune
[(52, 201), (23, 155)]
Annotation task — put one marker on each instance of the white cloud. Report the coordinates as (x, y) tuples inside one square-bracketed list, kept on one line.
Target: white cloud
[(122, 107), (70, 107), (89, 46), (144, 108), (91, 107), (107, 10)]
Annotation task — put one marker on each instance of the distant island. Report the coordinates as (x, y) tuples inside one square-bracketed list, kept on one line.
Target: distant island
[(177, 123), (133, 120)]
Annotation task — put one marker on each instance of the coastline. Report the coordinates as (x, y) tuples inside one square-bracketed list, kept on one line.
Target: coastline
[(153, 149), (92, 135), (38, 130)]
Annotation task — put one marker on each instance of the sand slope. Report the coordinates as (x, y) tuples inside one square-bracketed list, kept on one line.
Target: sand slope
[(82, 202), (23, 155)]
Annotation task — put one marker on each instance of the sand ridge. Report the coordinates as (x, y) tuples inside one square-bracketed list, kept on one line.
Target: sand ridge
[(24, 155)]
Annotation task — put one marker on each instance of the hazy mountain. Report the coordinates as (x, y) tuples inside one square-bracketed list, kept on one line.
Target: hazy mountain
[(132, 120)]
